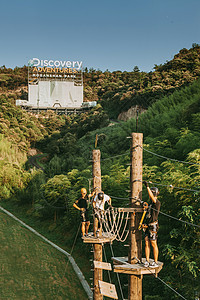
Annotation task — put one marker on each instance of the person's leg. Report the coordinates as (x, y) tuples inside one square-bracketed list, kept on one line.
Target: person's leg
[(95, 225), (87, 225), (147, 248), (83, 228), (155, 249)]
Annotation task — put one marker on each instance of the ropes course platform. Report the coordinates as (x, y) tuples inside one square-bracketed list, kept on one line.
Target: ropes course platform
[(105, 238), (121, 265)]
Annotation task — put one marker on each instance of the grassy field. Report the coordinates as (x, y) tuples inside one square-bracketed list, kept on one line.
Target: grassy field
[(32, 269)]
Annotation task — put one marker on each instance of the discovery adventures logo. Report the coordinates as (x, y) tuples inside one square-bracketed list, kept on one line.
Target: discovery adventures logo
[(36, 62)]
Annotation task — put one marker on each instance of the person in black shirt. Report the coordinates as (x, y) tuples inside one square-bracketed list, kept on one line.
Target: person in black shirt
[(82, 205), (152, 226)]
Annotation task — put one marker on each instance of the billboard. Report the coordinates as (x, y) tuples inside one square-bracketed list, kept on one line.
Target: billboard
[(55, 83)]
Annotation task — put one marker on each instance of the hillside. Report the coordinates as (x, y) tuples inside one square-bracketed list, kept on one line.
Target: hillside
[(118, 91), (171, 127), (26, 262)]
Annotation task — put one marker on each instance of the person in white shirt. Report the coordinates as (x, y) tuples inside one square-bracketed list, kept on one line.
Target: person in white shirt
[(98, 205)]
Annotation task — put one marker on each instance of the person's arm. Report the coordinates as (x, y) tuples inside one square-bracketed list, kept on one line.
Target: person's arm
[(92, 194), (94, 203), (107, 199), (153, 198), (76, 206)]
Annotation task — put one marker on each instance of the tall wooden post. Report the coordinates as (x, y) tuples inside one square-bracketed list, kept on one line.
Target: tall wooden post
[(98, 275), (135, 249)]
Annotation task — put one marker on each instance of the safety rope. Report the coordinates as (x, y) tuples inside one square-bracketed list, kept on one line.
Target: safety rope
[(72, 249), (106, 262), (174, 187), (118, 279), (153, 153), (170, 186), (164, 282), (167, 158), (119, 198), (110, 157), (52, 206), (169, 216), (192, 224)]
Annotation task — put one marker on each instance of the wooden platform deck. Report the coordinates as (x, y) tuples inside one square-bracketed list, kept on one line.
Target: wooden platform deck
[(121, 265), (105, 238)]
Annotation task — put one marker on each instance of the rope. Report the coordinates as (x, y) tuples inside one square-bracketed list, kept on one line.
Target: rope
[(116, 224), (167, 158), (192, 224), (123, 240), (175, 187), (120, 287), (102, 159), (73, 247), (169, 216), (171, 186), (119, 198), (52, 206), (169, 286), (106, 261), (110, 157), (165, 283)]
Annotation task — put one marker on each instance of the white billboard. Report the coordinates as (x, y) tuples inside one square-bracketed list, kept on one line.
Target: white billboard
[(55, 83)]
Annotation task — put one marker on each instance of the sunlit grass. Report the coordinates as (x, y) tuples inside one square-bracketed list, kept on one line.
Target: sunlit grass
[(31, 269)]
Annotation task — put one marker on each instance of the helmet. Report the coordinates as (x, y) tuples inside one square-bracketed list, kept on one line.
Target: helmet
[(83, 191), (100, 196), (155, 191)]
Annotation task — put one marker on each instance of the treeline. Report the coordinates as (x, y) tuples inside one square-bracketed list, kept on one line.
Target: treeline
[(118, 91)]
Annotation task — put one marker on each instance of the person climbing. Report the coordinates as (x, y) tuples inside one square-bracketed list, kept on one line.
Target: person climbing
[(98, 205), (151, 226), (82, 205)]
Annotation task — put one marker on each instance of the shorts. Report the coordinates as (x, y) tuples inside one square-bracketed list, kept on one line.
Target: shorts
[(84, 216), (152, 232)]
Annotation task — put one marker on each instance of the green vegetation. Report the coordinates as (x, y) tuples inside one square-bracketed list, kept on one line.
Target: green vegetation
[(171, 127), (31, 269)]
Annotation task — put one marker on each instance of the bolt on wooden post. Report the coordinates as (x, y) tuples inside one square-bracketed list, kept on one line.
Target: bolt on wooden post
[(135, 249), (98, 275)]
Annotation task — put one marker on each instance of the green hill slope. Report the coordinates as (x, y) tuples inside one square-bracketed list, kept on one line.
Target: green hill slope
[(31, 269), (171, 127)]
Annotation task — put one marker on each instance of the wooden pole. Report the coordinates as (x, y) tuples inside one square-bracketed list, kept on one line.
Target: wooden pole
[(98, 275), (135, 249)]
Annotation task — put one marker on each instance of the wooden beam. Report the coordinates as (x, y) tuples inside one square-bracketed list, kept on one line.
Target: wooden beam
[(121, 265), (130, 209), (102, 265), (98, 274), (135, 283), (104, 238), (108, 289)]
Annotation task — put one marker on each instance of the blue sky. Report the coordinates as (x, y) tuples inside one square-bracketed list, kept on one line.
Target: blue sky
[(106, 34)]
